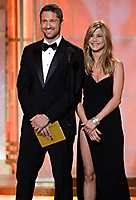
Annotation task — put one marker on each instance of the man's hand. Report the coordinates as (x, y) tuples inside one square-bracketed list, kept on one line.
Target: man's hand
[(39, 122), (45, 132)]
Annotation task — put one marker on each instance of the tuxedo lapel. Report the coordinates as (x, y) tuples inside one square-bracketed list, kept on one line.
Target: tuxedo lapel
[(57, 57), (54, 64), (38, 62)]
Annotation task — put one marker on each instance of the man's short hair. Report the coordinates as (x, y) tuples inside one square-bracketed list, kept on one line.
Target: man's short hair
[(53, 8)]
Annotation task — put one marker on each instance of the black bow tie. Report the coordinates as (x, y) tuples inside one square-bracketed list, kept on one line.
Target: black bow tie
[(45, 46)]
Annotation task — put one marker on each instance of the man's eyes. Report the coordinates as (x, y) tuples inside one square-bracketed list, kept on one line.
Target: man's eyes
[(51, 21)]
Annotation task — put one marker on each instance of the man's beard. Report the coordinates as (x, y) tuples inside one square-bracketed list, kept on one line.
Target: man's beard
[(53, 36)]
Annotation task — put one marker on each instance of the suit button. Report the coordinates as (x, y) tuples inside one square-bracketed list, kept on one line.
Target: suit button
[(43, 93)]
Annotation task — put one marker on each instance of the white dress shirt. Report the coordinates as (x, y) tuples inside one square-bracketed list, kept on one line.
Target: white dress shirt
[(47, 57)]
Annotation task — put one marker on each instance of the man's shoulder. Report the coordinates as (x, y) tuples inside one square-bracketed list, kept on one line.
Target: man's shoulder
[(70, 44), (34, 44)]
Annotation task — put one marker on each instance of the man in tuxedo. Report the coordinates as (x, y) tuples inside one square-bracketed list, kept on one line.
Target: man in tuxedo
[(49, 84)]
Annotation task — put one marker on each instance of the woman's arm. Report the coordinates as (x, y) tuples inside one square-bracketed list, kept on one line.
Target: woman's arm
[(81, 114), (118, 84)]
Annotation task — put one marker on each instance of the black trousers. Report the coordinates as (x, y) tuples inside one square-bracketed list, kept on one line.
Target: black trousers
[(30, 160)]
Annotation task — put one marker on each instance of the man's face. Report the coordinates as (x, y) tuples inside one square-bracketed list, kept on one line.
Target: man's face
[(50, 26)]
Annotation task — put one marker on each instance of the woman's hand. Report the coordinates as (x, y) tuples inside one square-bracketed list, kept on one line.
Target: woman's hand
[(89, 126), (94, 135)]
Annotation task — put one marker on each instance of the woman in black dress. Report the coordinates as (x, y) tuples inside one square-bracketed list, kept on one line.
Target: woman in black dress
[(100, 164)]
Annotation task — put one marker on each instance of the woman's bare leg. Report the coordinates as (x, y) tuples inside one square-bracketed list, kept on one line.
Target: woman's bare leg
[(89, 174)]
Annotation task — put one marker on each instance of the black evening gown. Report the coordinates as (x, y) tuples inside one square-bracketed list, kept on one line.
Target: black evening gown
[(107, 155)]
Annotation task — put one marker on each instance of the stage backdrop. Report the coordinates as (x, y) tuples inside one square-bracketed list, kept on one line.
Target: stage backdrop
[(120, 16), (2, 83)]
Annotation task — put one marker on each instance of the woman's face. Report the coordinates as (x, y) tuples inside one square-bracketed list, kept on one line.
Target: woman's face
[(96, 41)]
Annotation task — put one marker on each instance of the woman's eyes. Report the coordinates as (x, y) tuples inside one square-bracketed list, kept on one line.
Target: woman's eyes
[(99, 35)]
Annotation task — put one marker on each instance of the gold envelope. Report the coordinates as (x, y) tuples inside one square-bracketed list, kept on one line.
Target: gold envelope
[(57, 135)]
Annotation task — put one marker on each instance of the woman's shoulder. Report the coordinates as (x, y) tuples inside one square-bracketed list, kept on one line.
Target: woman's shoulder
[(118, 64), (119, 67)]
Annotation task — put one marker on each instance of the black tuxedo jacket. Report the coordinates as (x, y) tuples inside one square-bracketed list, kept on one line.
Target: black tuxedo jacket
[(57, 96)]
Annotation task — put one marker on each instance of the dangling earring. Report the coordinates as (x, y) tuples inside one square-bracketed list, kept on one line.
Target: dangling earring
[(88, 47)]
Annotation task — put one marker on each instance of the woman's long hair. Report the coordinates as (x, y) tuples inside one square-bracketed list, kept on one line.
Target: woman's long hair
[(107, 59)]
